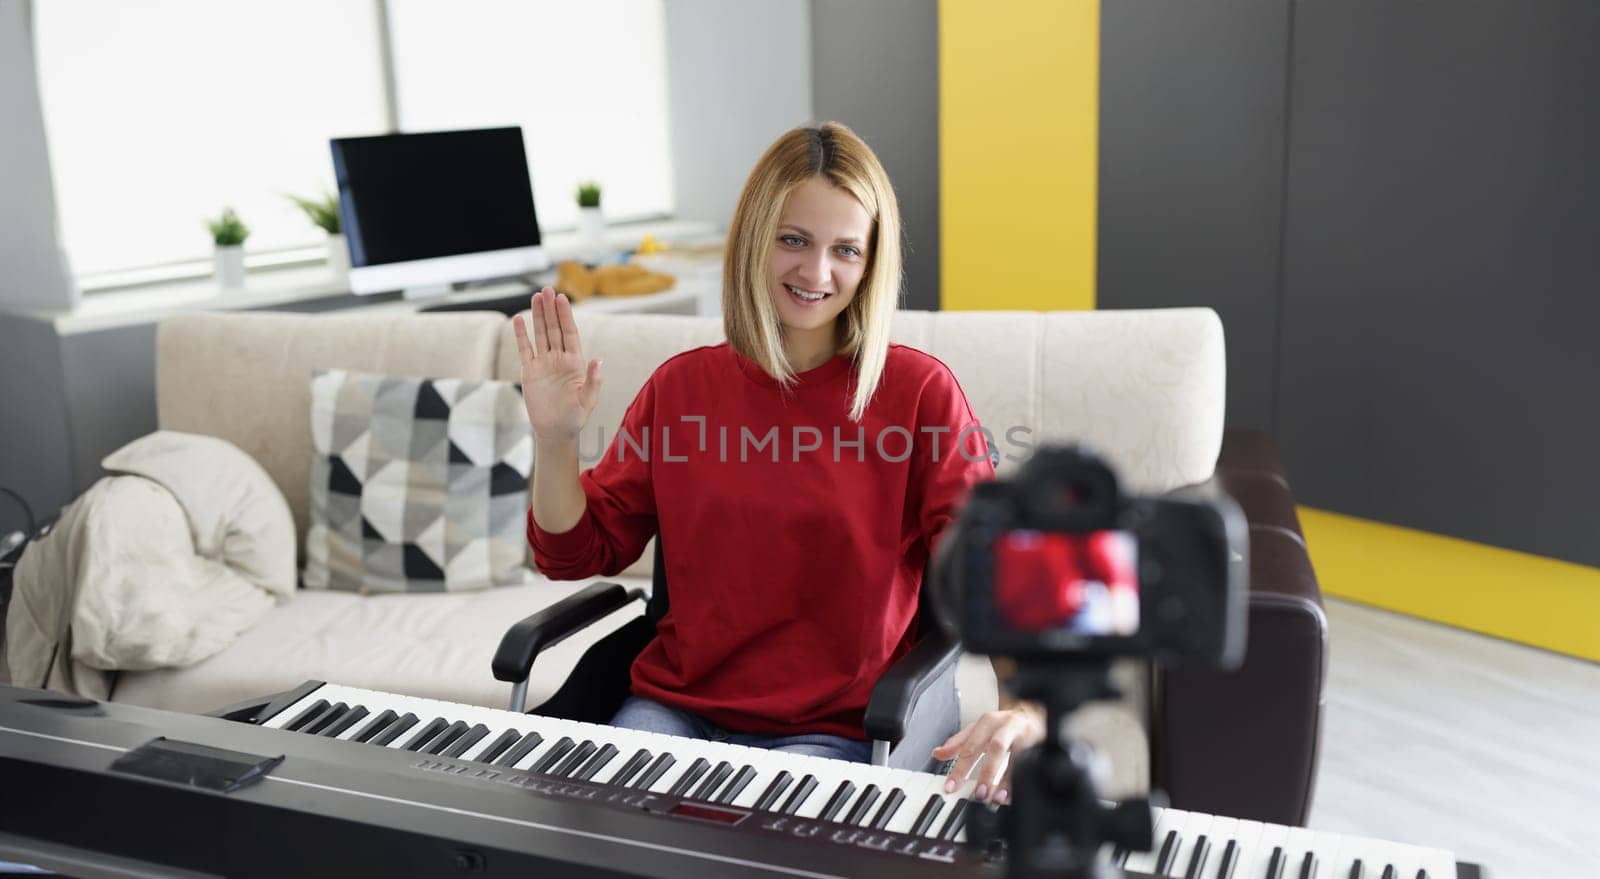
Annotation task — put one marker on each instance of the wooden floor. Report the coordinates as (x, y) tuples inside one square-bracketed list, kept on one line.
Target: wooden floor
[(1437, 736)]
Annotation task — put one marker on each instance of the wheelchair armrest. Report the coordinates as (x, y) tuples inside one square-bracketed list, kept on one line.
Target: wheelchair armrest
[(897, 692), (552, 625)]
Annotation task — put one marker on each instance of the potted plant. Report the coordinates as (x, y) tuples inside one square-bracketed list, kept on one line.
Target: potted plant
[(324, 214), (228, 233), (591, 220)]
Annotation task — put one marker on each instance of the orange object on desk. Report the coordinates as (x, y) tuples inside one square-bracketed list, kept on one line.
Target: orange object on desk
[(579, 281)]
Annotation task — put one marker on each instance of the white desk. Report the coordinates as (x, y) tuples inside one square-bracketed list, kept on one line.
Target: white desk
[(697, 291)]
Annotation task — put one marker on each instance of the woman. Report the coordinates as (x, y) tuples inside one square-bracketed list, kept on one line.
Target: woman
[(799, 475)]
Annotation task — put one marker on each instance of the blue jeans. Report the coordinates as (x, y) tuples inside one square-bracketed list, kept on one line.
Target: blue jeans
[(648, 715)]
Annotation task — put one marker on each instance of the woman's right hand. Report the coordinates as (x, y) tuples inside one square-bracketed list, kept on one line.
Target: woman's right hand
[(558, 389)]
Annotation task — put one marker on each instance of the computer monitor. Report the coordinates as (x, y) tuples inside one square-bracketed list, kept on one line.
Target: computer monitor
[(424, 211)]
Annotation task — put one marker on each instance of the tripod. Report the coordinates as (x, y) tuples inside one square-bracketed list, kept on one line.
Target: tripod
[(1057, 821)]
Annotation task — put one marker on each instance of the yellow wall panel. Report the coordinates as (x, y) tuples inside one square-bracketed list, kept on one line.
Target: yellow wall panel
[(1513, 595), (1018, 131)]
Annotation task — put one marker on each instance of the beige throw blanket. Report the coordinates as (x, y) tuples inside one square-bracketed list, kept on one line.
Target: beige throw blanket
[(163, 568)]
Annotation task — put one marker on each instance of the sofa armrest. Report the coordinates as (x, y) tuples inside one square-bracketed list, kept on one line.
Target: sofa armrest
[(526, 638), (895, 696), (1245, 743)]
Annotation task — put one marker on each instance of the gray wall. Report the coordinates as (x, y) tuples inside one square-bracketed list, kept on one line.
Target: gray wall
[(1401, 242), (875, 67), (738, 75), (32, 266), (34, 440), (1440, 309), (1192, 114)]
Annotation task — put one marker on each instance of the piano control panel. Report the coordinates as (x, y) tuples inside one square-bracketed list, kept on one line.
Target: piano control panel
[(766, 823)]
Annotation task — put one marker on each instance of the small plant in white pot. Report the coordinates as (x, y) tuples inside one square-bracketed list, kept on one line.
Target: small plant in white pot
[(228, 233), (591, 220), (324, 214)]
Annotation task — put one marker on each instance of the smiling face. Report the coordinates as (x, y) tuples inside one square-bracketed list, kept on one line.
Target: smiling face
[(817, 260)]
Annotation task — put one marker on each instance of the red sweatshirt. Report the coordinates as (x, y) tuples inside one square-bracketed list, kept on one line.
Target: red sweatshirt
[(794, 539)]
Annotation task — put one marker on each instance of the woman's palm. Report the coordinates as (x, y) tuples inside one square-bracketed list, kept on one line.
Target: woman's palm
[(558, 388)]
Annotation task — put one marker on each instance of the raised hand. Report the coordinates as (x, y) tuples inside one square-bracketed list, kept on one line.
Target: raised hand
[(558, 388)]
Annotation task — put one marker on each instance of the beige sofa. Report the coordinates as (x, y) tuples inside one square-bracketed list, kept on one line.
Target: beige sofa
[(1144, 388)]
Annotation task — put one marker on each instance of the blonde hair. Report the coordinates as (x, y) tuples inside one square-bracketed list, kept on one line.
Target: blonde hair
[(834, 152)]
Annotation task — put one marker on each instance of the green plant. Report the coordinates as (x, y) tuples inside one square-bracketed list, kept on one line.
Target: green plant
[(588, 194), (228, 230), (323, 212)]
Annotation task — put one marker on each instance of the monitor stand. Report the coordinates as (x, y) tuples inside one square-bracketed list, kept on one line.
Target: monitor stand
[(427, 291)]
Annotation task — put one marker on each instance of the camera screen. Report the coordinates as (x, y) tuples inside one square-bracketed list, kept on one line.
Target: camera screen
[(1085, 584)]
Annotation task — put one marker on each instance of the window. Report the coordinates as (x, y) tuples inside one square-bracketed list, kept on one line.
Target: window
[(160, 114), (586, 81)]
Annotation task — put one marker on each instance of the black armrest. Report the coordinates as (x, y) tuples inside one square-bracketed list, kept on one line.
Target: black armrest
[(897, 692), (1264, 768), (552, 625)]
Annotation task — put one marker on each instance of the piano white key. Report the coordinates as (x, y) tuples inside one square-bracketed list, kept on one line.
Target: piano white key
[(768, 764), (1272, 836), (1249, 837), (1297, 843), (1409, 859), (1326, 847), (1439, 863), (1196, 825), (1223, 830), (916, 799), (1347, 849)]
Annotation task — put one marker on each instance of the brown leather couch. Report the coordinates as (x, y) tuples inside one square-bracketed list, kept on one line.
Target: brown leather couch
[(1244, 743)]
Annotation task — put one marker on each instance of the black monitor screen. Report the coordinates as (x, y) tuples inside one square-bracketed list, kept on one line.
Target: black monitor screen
[(419, 196)]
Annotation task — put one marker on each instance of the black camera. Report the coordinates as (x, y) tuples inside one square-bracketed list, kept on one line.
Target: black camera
[(1060, 571), (1059, 561)]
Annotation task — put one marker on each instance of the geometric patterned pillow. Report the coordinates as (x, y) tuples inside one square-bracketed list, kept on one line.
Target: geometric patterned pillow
[(417, 485)]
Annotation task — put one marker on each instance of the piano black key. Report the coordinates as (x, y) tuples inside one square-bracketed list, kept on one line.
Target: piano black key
[(858, 812), (596, 763), (383, 719), (1230, 859), (305, 716), (337, 728), (926, 816), (689, 777), (635, 764), (1197, 861), (1422, 873), (394, 730), (768, 797), (737, 785), (584, 751), (654, 773), (517, 751), (958, 818), (1389, 872), (1355, 870), (802, 792), (1275, 863), (891, 804), (1308, 866), (708, 788), (426, 734), (328, 715), (1169, 852), (468, 739), (558, 750), (447, 738), (841, 795)]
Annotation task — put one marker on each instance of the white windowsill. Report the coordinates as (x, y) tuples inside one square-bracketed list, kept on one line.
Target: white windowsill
[(299, 282)]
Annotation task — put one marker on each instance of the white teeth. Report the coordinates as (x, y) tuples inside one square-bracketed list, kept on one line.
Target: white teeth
[(806, 294)]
